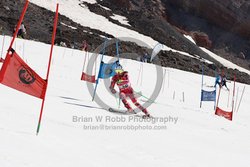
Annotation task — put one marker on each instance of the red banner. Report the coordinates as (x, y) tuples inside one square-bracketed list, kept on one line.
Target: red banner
[(16, 74), (225, 114), (89, 78)]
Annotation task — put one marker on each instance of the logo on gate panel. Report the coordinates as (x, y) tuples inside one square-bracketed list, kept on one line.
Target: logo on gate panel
[(26, 76), (108, 71)]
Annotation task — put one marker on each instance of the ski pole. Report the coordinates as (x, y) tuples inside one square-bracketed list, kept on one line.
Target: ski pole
[(116, 100), (145, 97), (119, 102)]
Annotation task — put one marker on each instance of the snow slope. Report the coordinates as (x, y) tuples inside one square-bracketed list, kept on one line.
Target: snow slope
[(101, 23), (82, 15), (197, 138), (225, 62)]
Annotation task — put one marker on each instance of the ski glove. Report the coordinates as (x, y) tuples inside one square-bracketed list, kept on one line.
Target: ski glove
[(113, 90)]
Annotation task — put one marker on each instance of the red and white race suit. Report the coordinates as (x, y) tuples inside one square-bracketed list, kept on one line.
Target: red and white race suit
[(122, 81)]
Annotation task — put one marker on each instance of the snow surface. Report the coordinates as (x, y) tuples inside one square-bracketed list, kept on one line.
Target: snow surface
[(85, 17), (186, 54), (121, 19), (198, 138), (189, 38), (105, 7), (101, 23), (225, 62), (74, 28)]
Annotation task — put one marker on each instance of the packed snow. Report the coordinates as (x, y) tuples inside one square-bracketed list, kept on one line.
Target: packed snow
[(225, 62), (74, 28), (104, 7), (121, 19), (87, 18), (191, 136), (189, 38), (101, 23)]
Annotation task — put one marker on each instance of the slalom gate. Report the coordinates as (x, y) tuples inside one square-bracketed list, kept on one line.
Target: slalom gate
[(207, 95), (85, 76), (226, 114)]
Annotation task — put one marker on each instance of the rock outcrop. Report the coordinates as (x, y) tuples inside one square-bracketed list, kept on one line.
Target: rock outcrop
[(231, 15), (201, 39)]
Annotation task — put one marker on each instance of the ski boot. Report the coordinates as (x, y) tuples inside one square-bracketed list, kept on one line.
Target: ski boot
[(130, 111), (147, 115)]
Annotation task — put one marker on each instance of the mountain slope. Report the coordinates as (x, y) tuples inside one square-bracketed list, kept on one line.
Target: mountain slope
[(91, 21), (194, 136)]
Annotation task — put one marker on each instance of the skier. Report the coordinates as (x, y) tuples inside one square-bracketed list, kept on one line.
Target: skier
[(146, 58), (21, 31), (217, 80), (122, 81), (224, 82), (221, 81)]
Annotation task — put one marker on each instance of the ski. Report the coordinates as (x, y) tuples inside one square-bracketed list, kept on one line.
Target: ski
[(129, 113), (120, 112)]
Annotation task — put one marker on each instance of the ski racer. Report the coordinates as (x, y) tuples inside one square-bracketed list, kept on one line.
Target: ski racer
[(122, 81)]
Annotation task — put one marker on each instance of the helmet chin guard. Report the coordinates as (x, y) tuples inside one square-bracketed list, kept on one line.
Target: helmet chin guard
[(119, 68), (119, 71)]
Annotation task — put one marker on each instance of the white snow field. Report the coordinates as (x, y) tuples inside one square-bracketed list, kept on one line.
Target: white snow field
[(225, 62), (190, 137)]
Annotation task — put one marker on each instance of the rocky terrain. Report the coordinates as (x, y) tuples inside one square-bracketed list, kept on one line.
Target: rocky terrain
[(222, 26), (226, 23), (165, 21)]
